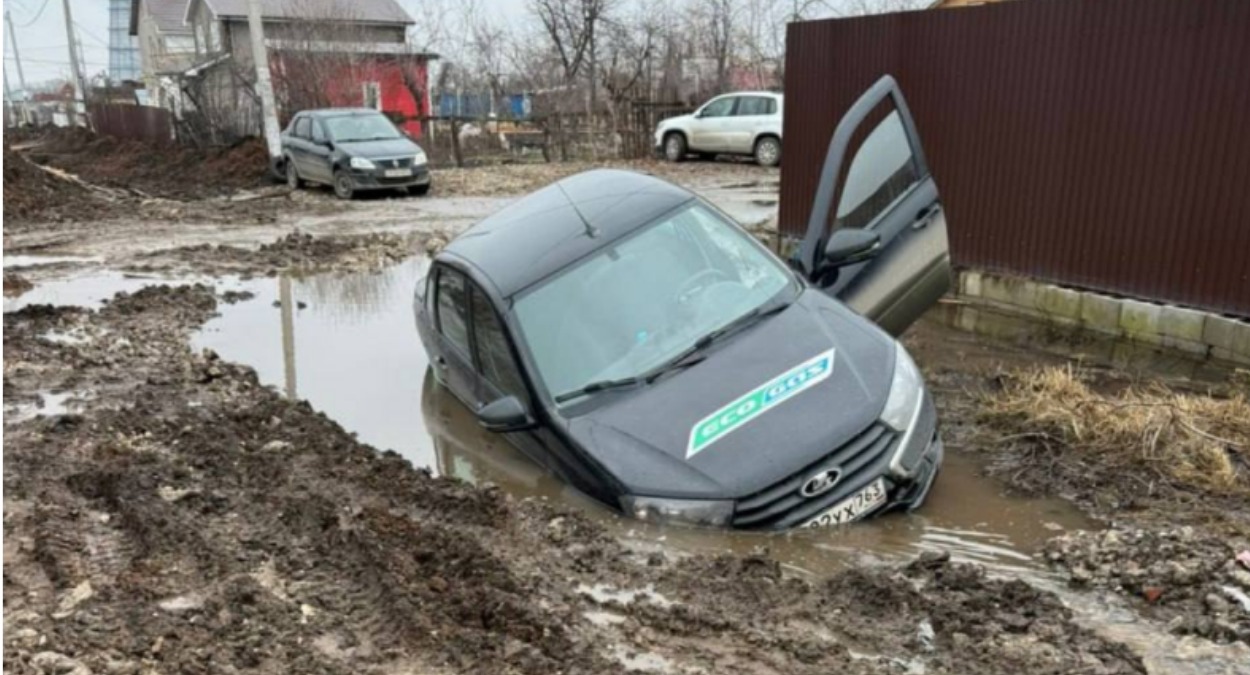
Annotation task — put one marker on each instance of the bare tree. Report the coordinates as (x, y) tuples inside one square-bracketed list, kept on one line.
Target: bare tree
[(570, 26), (717, 23)]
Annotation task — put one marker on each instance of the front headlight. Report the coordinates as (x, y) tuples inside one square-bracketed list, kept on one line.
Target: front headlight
[(362, 163), (710, 513), (419, 158), (906, 391)]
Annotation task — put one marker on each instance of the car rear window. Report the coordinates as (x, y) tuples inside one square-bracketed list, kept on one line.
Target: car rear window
[(756, 105)]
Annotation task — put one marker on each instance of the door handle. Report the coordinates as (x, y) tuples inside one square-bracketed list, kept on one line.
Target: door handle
[(440, 362), (926, 216)]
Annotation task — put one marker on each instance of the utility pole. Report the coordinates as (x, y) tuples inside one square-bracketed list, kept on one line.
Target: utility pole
[(80, 92), (8, 96), (17, 57), (264, 83)]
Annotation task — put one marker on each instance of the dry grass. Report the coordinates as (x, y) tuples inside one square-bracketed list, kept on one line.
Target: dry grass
[(1190, 442)]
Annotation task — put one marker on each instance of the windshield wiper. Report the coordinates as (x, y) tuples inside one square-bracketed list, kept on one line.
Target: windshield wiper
[(688, 357), (685, 359), (600, 385)]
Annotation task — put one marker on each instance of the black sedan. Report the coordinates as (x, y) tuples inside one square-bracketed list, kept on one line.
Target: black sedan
[(353, 150), (633, 340)]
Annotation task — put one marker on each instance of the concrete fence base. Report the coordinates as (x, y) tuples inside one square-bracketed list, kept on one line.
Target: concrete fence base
[(1189, 330)]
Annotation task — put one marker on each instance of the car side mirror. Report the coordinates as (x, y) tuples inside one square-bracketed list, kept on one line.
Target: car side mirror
[(504, 414), (850, 245)]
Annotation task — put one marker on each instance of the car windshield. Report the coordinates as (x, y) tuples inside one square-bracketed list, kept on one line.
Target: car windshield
[(637, 304), (348, 128)]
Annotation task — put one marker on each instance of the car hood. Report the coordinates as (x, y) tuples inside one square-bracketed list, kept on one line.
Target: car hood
[(393, 147), (644, 438), (675, 121)]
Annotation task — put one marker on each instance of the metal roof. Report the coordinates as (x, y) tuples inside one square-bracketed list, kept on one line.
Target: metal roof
[(358, 11), (169, 15), (543, 232)]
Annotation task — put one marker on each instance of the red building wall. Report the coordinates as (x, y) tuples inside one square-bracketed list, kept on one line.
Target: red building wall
[(344, 85)]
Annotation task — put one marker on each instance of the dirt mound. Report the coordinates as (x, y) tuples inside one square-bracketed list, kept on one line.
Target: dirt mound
[(32, 193), (167, 171), (15, 284), (1190, 579), (296, 251), (188, 519)]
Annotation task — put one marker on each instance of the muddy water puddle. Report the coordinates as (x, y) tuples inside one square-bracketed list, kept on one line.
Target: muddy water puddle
[(91, 287), (347, 343)]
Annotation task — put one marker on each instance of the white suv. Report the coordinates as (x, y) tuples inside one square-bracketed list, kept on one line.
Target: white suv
[(741, 123)]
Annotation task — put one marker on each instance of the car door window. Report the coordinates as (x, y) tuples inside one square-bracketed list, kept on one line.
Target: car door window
[(493, 355), (318, 134), (301, 127), (452, 304), (749, 106), (721, 107), (882, 170)]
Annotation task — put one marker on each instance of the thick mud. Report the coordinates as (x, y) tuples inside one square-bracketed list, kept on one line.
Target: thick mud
[(189, 519)]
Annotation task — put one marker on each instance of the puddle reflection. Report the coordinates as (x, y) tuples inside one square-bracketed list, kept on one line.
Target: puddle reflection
[(345, 342)]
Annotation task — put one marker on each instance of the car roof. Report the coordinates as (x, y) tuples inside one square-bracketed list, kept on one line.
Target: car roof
[(544, 232), (335, 112)]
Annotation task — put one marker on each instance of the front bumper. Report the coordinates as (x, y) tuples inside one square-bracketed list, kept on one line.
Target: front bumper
[(911, 495), (376, 179), (907, 462)]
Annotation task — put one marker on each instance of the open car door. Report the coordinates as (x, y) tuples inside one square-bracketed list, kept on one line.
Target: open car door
[(876, 237)]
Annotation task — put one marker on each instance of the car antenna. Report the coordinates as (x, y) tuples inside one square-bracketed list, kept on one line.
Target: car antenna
[(591, 231)]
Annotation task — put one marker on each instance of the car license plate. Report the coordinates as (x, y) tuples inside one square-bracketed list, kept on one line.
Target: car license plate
[(397, 173), (852, 507)]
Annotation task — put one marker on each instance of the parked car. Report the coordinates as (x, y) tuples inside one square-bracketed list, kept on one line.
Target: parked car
[(743, 123), (630, 338), (352, 150)]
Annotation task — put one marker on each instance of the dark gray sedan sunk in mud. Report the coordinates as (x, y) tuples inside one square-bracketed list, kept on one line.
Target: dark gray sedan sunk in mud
[(630, 338)]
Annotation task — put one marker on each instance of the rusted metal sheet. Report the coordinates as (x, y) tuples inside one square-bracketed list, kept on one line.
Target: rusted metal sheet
[(136, 122), (1102, 144)]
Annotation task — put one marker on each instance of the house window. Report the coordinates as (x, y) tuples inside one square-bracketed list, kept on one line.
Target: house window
[(214, 36), (372, 95), (180, 44)]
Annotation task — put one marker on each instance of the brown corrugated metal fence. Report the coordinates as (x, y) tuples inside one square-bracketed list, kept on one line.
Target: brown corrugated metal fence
[(1103, 144), (137, 122)]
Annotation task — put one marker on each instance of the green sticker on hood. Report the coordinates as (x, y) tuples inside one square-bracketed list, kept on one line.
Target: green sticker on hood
[(752, 404)]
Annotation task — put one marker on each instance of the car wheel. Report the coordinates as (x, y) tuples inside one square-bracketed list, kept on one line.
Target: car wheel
[(292, 175), (419, 190), (768, 151), (675, 147), (343, 185)]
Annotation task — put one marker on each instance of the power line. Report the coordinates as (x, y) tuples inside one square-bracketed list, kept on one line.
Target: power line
[(37, 15), (61, 62), (91, 35)]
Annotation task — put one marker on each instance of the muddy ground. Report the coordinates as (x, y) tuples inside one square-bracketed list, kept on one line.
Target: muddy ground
[(188, 519), (167, 513), (1164, 462)]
